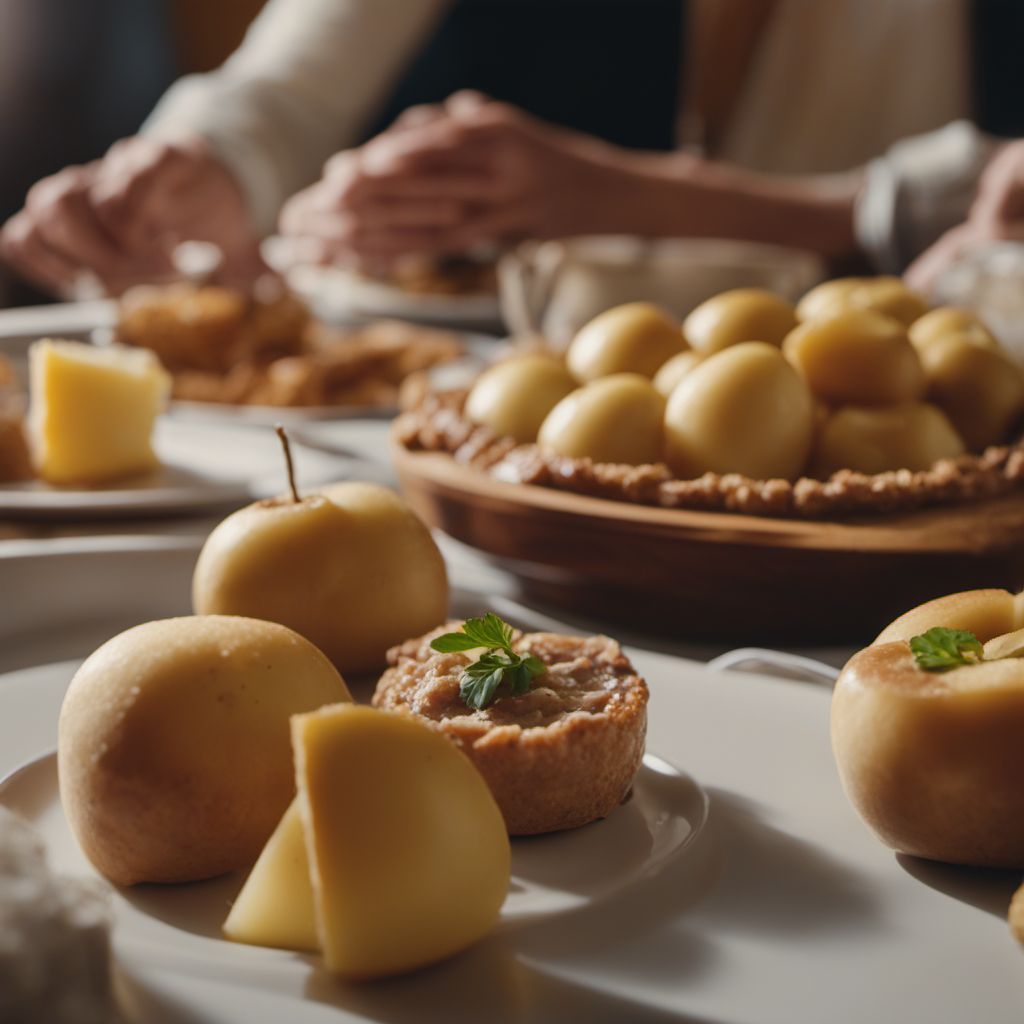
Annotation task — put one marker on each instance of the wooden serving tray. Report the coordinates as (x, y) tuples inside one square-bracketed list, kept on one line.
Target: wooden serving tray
[(715, 575)]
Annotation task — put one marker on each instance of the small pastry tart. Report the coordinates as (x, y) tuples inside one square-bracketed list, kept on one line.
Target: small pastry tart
[(561, 755)]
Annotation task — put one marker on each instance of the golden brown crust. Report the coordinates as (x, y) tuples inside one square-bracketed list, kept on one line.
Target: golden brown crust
[(437, 424), (558, 757), (224, 347)]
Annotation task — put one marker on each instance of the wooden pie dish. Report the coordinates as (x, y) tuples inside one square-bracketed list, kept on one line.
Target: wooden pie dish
[(716, 575)]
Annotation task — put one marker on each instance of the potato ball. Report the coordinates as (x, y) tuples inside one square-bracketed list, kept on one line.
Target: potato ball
[(635, 338), (743, 410), (856, 358), (738, 315), (614, 419), (913, 436), (513, 397)]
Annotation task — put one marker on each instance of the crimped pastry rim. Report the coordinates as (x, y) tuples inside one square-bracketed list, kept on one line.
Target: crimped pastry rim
[(437, 424)]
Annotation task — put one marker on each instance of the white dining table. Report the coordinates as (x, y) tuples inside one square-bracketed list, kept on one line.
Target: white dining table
[(738, 887)]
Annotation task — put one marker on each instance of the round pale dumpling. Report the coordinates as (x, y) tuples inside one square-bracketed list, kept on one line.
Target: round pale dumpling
[(874, 440), (742, 314), (947, 320), (614, 419), (514, 396), (856, 358), (980, 389), (933, 761), (635, 338), (986, 613), (744, 410), (174, 749), (886, 295), (352, 568), (666, 379)]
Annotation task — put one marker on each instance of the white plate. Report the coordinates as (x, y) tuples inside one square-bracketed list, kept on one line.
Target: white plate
[(75, 320), (73, 594), (78, 321), (788, 913), (269, 415), (563, 881), (335, 294), (551, 875), (480, 350), (203, 466)]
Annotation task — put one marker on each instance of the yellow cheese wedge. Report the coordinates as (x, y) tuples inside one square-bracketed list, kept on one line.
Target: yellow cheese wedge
[(409, 855), (92, 410), (275, 906)]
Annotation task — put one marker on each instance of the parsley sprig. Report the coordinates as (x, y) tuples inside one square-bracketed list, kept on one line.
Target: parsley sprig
[(482, 680), (940, 649)]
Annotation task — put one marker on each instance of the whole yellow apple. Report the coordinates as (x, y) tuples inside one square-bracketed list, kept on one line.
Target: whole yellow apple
[(351, 568)]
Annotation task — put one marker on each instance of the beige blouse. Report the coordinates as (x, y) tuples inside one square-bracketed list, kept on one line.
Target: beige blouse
[(826, 86)]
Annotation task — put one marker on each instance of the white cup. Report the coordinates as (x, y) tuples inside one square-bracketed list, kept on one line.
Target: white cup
[(555, 287)]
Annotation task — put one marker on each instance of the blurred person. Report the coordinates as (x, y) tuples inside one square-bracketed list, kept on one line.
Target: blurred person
[(884, 77), (74, 76), (788, 100), (314, 76), (996, 214)]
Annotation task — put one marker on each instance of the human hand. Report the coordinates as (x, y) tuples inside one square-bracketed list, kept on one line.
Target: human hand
[(120, 218), (446, 179), (997, 213)]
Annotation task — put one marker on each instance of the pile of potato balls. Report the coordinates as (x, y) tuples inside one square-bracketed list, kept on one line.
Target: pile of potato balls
[(859, 375)]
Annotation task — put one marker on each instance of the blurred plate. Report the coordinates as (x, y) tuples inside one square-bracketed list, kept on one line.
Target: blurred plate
[(551, 874), (203, 466), (335, 294), (91, 322), (479, 351), (75, 593), (20, 326)]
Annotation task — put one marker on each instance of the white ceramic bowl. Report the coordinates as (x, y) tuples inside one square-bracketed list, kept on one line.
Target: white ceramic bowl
[(557, 286)]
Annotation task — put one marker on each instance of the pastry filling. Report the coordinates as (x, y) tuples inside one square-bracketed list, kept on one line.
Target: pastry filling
[(585, 676)]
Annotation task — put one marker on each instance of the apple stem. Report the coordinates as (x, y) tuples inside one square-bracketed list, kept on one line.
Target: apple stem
[(286, 445)]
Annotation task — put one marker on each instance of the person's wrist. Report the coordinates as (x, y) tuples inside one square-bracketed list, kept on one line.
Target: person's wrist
[(638, 194)]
